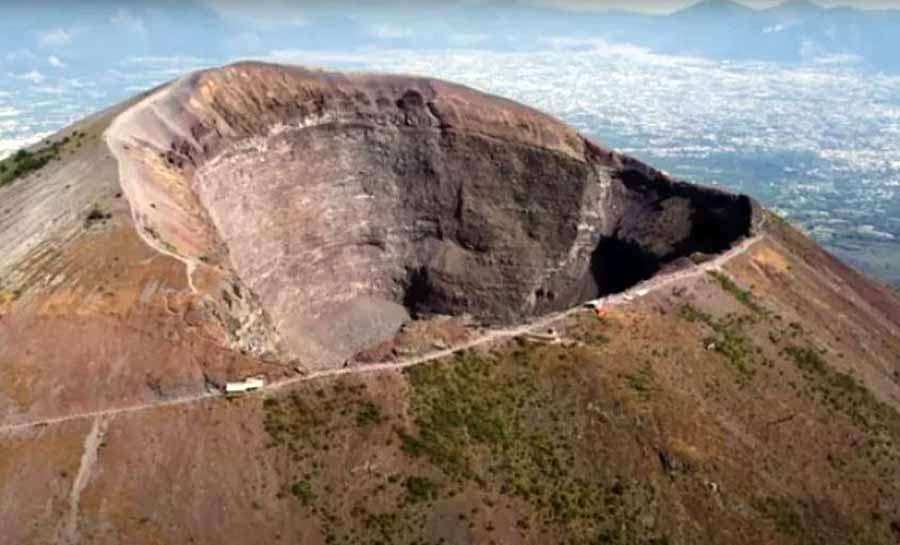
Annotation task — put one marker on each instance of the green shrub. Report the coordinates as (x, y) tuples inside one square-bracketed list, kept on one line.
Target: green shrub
[(692, 314), (368, 414), (806, 359), (302, 490), (845, 382), (419, 489), (736, 347), (24, 162), (641, 382), (744, 297), (783, 513), (729, 339)]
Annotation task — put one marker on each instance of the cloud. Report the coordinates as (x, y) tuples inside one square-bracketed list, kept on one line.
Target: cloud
[(8, 111), (463, 38), (50, 89), (838, 59), (387, 31), (77, 83), (54, 61), (55, 38), (602, 48), (34, 76), (127, 21)]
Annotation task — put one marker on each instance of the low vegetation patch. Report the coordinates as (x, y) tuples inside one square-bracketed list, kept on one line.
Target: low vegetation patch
[(692, 314), (368, 414), (302, 490), (744, 297), (734, 345), (420, 489), (498, 425), (807, 359), (848, 396), (26, 161), (641, 381), (841, 393), (505, 429), (784, 514), (728, 337), (590, 328), (542, 441)]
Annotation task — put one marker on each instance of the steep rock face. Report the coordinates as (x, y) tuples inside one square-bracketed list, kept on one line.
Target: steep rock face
[(346, 202)]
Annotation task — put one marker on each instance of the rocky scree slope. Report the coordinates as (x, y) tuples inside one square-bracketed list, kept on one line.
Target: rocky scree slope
[(343, 204)]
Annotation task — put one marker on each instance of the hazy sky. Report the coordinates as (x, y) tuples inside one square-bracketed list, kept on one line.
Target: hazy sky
[(666, 6), (648, 6)]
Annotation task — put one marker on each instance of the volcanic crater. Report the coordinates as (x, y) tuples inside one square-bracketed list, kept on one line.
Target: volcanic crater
[(336, 207)]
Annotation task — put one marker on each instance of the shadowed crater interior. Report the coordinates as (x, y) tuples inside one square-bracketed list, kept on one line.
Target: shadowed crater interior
[(664, 220)]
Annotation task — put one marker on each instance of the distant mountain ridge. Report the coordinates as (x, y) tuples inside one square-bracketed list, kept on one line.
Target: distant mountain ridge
[(795, 31), (792, 32)]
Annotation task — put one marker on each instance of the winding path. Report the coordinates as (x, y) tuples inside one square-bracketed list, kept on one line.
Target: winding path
[(67, 533), (639, 290)]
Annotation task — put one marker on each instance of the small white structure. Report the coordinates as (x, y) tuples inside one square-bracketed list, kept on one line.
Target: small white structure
[(246, 385)]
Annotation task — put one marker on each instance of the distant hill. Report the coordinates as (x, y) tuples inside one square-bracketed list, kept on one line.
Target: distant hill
[(795, 31)]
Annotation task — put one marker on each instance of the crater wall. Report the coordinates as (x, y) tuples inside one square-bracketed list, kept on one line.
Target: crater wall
[(346, 204)]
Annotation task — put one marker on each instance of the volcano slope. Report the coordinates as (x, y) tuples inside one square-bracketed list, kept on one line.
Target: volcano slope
[(373, 245)]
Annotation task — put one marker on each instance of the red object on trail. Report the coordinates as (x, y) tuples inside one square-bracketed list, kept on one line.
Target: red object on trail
[(600, 312)]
